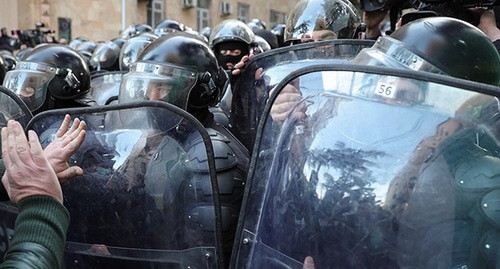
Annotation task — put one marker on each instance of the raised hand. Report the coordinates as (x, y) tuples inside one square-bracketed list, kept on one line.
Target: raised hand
[(66, 143), (27, 170)]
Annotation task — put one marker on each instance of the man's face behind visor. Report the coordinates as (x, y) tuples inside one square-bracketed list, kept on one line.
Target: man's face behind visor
[(29, 85)]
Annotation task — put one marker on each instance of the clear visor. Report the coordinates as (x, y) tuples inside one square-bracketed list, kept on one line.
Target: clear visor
[(149, 81), (389, 52), (29, 81)]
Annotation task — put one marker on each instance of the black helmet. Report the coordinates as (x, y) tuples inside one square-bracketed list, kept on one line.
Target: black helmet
[(168, 26), (51, 70), (262, 45), (132, 48), (136, 29), (10, 60), (279, 32), (77, 41), (86, 49), (21, 54), (176, 68), (106, 55), (3, 68), (231, 30), (231, 34), (339, 17), (206, 31), (440, 45), (255, 24)]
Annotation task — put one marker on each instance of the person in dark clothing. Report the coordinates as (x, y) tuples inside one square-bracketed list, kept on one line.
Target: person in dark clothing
[(5, 41)]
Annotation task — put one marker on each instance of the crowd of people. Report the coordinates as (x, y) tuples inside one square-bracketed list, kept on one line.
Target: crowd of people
[(197, 71)]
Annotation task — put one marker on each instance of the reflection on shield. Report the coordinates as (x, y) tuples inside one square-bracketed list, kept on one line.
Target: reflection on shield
[(251, 93), (387, 169)]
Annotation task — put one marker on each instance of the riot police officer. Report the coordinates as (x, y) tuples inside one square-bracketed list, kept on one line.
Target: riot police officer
[(183, 71), (231, 40), (440, 45), (50, 77)]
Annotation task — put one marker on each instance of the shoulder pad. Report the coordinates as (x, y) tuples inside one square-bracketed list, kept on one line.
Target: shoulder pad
[(225, 158)]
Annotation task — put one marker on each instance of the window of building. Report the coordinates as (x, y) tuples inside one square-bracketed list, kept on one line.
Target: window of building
[(155, 12), (203, 18), (276, 18), (243, 12)]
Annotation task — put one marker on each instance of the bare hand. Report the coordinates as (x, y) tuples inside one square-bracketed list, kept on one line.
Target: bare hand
[(308, 263), (286, 100), (487, 24), (27, 170), (241, 64), (67, 142)]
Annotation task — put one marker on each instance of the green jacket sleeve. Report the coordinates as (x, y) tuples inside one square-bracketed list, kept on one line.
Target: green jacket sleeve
[(40, 234)]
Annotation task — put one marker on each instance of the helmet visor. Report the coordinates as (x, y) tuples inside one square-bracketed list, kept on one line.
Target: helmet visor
[(150, 81), (390, 52), (30, 82)]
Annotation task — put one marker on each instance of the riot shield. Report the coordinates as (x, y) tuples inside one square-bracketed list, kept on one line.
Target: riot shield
[(381, 169), (104, 88), (249, 96), (139, 205)]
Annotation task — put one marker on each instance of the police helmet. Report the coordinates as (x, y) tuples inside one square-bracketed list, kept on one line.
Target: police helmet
[(3, 68), (10, 60), (440, 45), (132, 48), (136, 29), (106, 55), (168, 26), (52, 70), (178, 69), (231, 30)]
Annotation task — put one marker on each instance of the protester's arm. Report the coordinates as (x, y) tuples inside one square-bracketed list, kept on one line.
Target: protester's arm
[(40, 234), (30, 181), (59, 151)]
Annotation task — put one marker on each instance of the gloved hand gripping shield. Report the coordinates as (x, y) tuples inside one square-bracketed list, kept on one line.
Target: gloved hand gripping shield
[(137, 205), (384, 168)]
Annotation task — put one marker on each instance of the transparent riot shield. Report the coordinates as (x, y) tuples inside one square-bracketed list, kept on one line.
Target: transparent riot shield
[(381, 169), (104, 88), (141, 202), (246, 102)]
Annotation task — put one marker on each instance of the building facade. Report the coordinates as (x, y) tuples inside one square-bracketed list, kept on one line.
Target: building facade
[(103, 20)]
